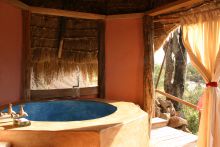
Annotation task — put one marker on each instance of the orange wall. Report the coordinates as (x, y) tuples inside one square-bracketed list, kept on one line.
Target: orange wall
[(10, 52), (124, 57), (124, 60)]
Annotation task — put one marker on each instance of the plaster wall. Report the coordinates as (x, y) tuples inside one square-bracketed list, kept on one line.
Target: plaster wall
[(124, 60), (10, 53), (124, 57)]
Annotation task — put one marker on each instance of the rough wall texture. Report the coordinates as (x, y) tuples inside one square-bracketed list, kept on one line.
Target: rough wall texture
[(10, 53), (124, 60)]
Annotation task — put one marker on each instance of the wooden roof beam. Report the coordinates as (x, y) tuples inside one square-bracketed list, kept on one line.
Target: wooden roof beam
[(172, 7), (66, 13), (125, 16), (55, 12), (18, 4)]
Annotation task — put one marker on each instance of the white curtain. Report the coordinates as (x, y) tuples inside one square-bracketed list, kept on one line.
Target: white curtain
[(201, 37)]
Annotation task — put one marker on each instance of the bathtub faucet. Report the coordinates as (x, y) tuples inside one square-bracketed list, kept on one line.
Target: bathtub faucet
[(14, 115), (76, 92), (76, 89)]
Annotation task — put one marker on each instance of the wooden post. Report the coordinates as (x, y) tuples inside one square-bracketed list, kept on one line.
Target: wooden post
[(61, 35), (148, 67), (101, 59), (60, 49), (26, 56), (161, 69)]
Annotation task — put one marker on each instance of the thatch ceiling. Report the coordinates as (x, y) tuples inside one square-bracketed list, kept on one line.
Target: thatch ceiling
[(100, 6)]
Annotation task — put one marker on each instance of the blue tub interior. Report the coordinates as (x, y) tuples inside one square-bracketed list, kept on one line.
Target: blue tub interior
[(66, 110)]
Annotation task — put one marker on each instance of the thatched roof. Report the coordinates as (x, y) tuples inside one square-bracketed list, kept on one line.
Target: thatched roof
[(100, 6), (165, 23), (79, 49)]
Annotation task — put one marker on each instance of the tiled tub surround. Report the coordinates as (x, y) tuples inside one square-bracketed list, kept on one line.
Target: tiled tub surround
[(126, 127)]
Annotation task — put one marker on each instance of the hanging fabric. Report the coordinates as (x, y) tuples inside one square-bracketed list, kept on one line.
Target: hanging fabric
[(201, 37)]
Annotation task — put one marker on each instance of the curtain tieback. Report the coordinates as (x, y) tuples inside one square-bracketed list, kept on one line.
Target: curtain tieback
[(212, 84)]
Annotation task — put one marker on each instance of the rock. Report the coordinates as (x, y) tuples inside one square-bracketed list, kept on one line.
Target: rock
[(157, 111), (164, 104), (168, 110), (171, 110), (185, 129), (176, 122), (157, 103), (167, 107), (165, 110), (165, 116)]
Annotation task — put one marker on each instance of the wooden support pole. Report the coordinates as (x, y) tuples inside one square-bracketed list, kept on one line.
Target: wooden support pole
[(148, 67), (101, 59), (161, 69), (60, 49), (27, 56), (125, 16), (61, 35)]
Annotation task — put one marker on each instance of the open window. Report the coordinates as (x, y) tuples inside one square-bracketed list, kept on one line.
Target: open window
[(177, 81)]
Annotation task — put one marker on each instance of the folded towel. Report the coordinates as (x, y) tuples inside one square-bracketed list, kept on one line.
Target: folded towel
[(5, 144)]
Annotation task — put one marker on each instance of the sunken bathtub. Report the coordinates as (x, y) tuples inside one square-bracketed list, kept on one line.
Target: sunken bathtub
[(79, 123)]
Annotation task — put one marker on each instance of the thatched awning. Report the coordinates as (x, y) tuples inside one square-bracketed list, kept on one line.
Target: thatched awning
[(161, 32), (78, 51), (164, 24)]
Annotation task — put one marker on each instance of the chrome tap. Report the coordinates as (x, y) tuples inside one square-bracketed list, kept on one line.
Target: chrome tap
[(76, 89), (76, 92)]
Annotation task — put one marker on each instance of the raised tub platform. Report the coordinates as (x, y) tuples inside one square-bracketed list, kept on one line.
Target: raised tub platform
[(126, 127)]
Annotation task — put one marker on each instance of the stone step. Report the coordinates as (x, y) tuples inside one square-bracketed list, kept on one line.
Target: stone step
[(170, 137), (158, 123)]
